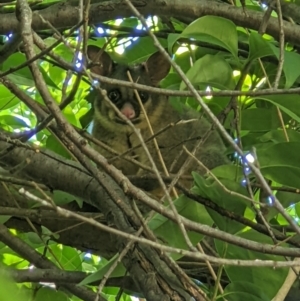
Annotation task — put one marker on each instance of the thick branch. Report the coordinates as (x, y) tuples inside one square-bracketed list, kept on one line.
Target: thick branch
[(55, 171), (65, 15), (59, 277)]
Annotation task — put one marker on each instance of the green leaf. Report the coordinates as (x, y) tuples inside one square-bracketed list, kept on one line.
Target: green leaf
[(140, 50), (61, 198), (280, 163), (242, 290), (70, 116), (48, 234), (271, 280), (9, 290), (210, 189), (48, 80), (23, 76), (258, 47), (61, 50), (170, 232), (50, 294), (34, 239), (257, 120), (172, 38), (291, 65), (4, 218), (289, 104), (12, 260), (297, 208), (276, 136), (204, 29), (7, 99), (119, 271), (55, 145), (212, 70), (12, 121), (229, 172), (68, 257), (86, 119), (184, 61), (286, 199), (130, 22), (202, 51), (171, 81)]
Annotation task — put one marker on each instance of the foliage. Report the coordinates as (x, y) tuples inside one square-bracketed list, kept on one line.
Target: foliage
[(213, 52)]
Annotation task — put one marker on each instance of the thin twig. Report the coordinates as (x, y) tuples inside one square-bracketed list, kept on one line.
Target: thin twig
[(216, 122)]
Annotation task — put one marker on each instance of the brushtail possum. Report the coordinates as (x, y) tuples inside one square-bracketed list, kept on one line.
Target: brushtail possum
[(113, 130)]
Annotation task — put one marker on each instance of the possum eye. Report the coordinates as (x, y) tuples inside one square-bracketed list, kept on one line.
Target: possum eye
[(114, 95), (144, 96)]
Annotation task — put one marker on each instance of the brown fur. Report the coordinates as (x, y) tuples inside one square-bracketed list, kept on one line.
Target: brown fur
[(119, 136)]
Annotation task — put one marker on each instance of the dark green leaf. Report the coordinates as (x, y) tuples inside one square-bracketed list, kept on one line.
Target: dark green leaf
[(170, 232), (61, 198), (271, 280), (280, 163), (258, 120), (289, 104), (211, 70), (210, 189), (53, 144), (247, 291), (277, 136)]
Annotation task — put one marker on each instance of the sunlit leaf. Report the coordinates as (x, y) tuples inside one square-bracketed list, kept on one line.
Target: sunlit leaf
[(117, 272), (204, 29), (259, 48)]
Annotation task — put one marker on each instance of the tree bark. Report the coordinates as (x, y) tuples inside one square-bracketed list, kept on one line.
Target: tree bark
[(64, 15)]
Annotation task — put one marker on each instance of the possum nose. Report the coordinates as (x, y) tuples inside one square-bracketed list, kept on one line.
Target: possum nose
[(128, 110)]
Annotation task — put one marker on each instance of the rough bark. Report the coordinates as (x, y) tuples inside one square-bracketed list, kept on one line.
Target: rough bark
[(151, 274), (65, 15)]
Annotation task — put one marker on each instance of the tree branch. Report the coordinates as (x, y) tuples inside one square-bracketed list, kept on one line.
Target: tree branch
[(38, 260), (65, 15)]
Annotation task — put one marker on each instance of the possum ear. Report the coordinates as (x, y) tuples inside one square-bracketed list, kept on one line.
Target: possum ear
[(157, 67), (102, 62)]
